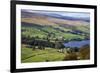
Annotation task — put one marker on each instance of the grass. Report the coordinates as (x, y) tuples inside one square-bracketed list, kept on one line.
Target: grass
[(49, 54), (33, 32)]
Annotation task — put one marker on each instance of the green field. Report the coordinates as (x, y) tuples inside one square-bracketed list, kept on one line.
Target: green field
[(49, 54), (43, 31)]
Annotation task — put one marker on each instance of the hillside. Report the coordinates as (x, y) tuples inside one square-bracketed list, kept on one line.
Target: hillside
[(36, 24)]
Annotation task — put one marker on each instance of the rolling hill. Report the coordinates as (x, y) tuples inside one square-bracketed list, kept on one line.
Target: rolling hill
[(40, 24)]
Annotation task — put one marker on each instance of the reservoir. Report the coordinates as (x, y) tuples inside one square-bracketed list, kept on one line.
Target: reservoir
[(77, 44)]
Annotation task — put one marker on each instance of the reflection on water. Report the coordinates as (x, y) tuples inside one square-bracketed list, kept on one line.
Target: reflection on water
[(77, 44)]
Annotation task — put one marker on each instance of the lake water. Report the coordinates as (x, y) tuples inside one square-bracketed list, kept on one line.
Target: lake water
[(77, 44)]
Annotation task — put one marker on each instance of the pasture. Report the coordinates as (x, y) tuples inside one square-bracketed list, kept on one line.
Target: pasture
[(49, 54)]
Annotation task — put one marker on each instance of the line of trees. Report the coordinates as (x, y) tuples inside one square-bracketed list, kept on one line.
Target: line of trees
[(36, 42)]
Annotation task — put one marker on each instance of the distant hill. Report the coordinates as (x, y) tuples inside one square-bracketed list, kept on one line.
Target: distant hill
[(54, 15)]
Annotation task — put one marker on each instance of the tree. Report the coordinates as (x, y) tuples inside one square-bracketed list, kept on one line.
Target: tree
[(71, 56), (59, 43), (84, 52)]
